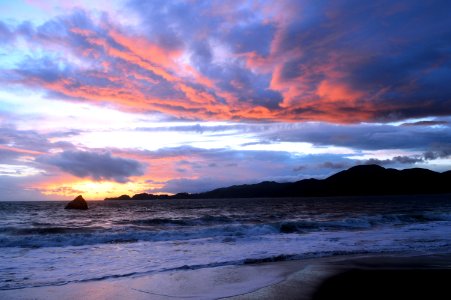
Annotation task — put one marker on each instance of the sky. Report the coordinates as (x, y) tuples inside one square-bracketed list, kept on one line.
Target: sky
[(104, 98)]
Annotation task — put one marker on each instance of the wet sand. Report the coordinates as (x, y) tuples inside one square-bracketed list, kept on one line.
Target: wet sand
[(206, 283), (351, 277), (365, 277)]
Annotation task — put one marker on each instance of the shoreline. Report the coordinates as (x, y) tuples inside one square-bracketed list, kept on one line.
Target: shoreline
[(353, 277), (297, 279)]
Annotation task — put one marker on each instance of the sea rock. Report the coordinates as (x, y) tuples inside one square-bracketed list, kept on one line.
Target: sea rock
[(77, 203)]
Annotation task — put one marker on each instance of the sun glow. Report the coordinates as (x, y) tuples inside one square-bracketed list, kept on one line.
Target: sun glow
[(96, 190)]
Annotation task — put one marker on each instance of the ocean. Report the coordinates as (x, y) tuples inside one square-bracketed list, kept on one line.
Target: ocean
[(42, 244)]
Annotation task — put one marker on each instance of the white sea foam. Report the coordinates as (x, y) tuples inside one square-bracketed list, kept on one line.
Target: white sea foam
[(41, 250)]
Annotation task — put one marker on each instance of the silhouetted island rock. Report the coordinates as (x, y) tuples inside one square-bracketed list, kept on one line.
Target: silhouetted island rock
[(77, 203), (363, 180), (124, 197)]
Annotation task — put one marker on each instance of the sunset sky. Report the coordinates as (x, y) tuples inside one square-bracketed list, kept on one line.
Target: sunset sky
[(104, 98)]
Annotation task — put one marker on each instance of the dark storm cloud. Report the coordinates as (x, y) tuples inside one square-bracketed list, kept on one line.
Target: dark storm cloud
[(426, 123), (394, 160), (396, 54), (361, 136), (98, 166), (299, 168), (439, 152), (334, 165)]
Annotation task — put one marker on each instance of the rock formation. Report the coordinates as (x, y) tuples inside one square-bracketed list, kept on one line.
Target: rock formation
[(77, 203)]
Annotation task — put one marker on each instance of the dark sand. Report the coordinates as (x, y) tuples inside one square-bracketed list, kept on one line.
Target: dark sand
[(365, 277), (339, 277)]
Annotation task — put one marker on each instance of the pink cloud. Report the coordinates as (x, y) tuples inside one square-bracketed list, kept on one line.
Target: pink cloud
[(280, 61)]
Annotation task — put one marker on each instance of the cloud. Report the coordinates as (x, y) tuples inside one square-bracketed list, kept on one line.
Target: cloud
[(395, 160), (5, 33), (334, 165), (98, 166), (359, 136), (358, 61), (440, 152), (437, 152), (24, 139), (299, 168), (16, 143), (222, 164), (426, 123), (336, 61), (195, 169)]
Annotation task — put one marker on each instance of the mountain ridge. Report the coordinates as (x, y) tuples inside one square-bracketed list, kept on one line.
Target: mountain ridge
[(361, 180)]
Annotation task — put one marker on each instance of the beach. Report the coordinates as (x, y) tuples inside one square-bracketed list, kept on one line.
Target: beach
[(364, 277), (205, 283), (275, 280), (217, 248)]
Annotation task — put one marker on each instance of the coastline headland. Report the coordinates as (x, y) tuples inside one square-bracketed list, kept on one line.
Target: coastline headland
[(362, 180)]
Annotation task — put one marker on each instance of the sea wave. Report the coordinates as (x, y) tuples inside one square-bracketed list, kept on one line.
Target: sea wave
[(204, 220), (220, 227), (9, 285), (50, 230)]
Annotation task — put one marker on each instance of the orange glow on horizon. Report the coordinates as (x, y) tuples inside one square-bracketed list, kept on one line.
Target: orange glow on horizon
[(96, 190)]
